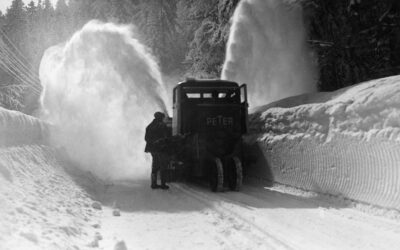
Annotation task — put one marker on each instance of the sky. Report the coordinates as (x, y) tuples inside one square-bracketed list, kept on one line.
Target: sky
[(6, 3)]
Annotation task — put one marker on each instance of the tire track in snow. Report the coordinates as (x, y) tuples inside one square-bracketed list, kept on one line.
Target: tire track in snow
[(300, 222), (262, 238)]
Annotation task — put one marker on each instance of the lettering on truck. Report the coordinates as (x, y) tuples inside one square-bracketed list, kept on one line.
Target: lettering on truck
[(219, 121)]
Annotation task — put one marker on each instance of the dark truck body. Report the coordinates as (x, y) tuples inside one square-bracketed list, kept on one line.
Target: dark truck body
[(212, 116)]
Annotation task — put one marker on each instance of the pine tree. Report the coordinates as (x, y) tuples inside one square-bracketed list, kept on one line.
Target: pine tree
[(46, 24), (63, 22), (210, 23), (61, 6), (15, 23), (157, 20), (122, 10), (101, 9), (48, 14), (40, 4), (31, 9), (32, 18), (2, 19), (81, 12), (355, 41), (119, 11)]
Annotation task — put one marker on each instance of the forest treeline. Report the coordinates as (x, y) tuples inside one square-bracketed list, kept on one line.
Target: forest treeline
[(353, 40)]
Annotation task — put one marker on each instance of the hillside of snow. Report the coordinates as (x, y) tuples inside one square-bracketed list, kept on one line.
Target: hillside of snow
[(345, 143), (41, 207)]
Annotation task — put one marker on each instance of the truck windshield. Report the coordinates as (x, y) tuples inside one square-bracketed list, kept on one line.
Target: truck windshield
[(214, 95)]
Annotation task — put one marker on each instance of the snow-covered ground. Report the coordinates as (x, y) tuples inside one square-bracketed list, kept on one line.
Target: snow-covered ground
[(40, 206), (45, 203), (191, 217)]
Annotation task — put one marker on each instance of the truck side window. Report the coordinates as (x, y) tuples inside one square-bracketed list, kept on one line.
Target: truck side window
[(242, 94)]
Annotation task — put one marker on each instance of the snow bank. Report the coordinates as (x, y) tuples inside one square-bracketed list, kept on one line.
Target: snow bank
[(344, 143), (17, 129), (40, 206)]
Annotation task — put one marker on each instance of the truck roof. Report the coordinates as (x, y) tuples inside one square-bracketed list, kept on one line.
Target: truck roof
[(208, 83)]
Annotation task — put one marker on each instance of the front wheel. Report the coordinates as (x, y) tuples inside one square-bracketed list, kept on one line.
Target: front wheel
[(216, 176)]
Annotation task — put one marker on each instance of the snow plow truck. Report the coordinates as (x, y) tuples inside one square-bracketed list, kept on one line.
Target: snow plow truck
[(210, 117)]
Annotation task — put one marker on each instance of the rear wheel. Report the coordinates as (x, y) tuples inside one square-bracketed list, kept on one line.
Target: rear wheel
[(235, 178), (216, 176)]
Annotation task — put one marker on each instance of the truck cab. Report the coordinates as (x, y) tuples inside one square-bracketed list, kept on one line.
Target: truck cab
[(213, 115)]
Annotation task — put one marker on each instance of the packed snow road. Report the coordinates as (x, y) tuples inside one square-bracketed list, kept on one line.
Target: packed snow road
[(191, 217)]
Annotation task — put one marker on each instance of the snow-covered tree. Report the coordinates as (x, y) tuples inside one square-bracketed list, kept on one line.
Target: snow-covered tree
[(15, 23), (157, 21), (63, 22), (210, 22)]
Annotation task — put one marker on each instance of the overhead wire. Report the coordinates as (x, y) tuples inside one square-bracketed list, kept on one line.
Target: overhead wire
[(15, 66), (18, 51), (12, 60), (16, 72), (19, 62), (10, 71), (14, 46), (7, 68)]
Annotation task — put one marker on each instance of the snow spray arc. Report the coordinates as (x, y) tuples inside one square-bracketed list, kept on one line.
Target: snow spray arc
[(267, 50), (100, 89)]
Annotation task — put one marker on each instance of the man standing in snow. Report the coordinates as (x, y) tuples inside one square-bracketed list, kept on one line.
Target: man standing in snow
[(155, 137)]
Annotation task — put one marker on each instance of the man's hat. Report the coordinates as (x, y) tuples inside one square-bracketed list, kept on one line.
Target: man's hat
[(159, 115)]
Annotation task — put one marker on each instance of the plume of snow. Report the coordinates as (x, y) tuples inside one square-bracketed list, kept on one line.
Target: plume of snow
[(267, 50), (100, 90)]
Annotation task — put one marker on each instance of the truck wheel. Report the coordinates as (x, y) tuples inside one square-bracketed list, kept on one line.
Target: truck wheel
[(217, 176), (235, 177)]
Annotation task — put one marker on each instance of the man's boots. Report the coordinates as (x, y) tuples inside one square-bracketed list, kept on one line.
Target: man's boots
[(154, 181), (163, 176), (164, 186)]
